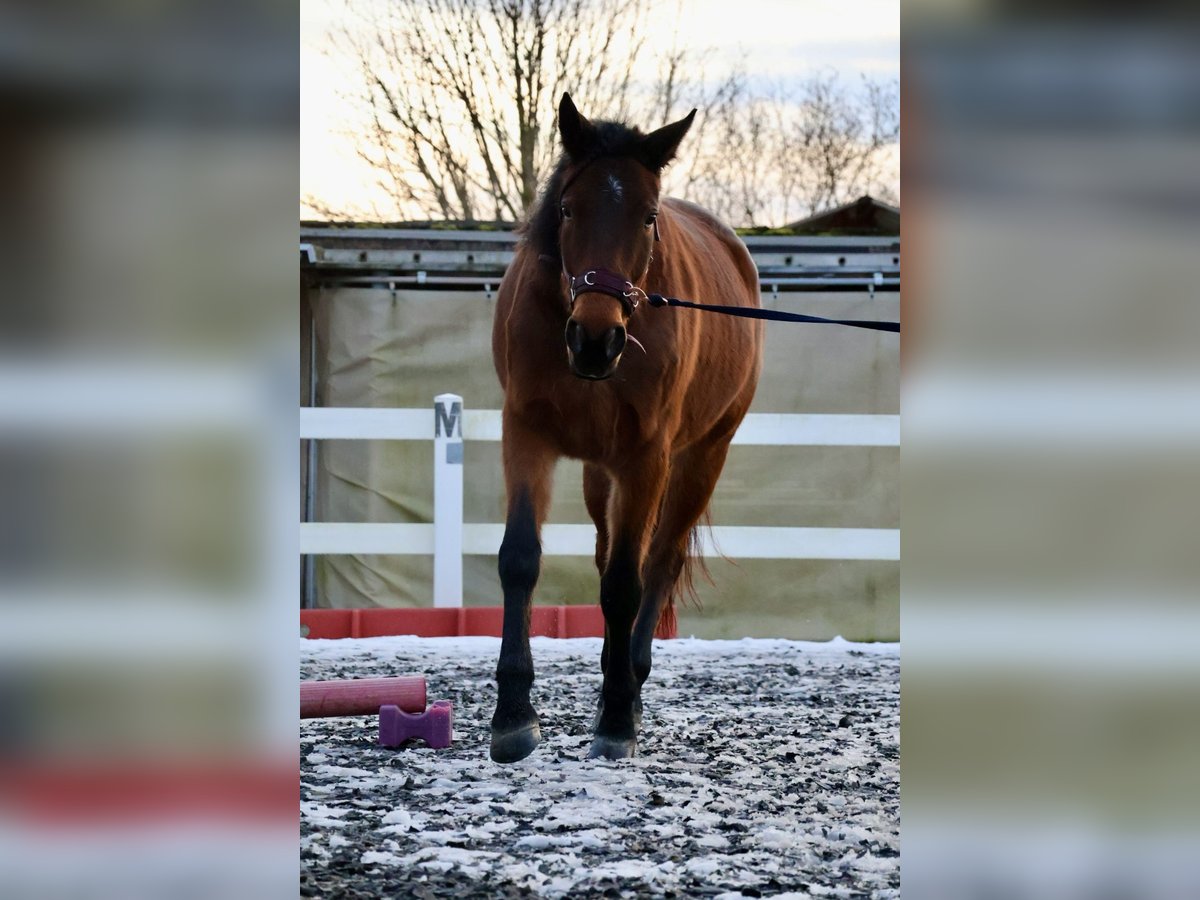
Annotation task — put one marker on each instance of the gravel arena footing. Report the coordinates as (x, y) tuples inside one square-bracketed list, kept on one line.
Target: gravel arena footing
[(766, 768)]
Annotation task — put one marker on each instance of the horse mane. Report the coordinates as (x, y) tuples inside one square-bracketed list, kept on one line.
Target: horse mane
[(540, 228)]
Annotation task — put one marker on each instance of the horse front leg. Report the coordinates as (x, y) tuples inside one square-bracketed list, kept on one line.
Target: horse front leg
[(639, 489), (528, 465), (597, 491)]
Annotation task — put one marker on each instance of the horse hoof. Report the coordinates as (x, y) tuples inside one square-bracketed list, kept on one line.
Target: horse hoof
[(513, 746), (612, 748)]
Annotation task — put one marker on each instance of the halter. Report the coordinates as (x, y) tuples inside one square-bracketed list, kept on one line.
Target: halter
[(605, 281)]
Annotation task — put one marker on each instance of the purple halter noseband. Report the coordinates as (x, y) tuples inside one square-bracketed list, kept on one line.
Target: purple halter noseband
[(605, 281)]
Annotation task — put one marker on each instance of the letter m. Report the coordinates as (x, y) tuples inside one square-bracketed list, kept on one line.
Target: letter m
[(449, 425)]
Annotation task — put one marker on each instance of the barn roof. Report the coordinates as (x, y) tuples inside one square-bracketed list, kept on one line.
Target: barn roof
[(866, 215)]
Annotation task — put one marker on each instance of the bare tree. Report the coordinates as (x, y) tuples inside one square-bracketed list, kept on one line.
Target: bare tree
[(836, 139), (456, 93), (728, 164), (791, 149), (457, 97)]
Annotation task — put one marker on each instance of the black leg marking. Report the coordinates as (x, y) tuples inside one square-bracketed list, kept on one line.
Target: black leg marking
[(661, 578), (515, 728), (620, 595)]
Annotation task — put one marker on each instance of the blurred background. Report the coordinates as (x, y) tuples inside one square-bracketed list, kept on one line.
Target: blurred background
[(1051, 419), (147, 459)]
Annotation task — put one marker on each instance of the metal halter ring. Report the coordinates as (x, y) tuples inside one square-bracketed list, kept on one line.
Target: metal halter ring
[(632, 294)]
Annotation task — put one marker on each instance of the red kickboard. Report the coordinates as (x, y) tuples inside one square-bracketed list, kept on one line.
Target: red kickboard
[(545, 621)]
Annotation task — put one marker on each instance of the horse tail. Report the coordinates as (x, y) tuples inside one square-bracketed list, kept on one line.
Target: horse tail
[(684, 589)]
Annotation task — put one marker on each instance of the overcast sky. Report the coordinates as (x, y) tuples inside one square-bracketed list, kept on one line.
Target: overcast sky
[(781, 37)]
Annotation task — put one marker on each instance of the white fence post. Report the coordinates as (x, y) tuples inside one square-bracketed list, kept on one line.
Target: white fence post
[(447, 500)]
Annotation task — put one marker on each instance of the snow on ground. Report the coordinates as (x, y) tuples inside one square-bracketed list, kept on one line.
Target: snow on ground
[(766, 768)]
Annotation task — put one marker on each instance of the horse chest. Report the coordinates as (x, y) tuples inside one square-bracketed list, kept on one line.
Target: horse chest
[(592, 424)]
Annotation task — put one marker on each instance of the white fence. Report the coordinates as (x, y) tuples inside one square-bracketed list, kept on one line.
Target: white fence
[(448, 537)]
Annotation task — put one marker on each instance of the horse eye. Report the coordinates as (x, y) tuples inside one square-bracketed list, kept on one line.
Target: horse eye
[(566, 213), (650, 219)]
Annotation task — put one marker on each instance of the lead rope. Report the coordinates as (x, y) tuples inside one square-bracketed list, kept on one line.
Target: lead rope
[(751, 312)]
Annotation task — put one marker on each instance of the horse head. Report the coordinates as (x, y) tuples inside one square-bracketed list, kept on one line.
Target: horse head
[(608, 223)]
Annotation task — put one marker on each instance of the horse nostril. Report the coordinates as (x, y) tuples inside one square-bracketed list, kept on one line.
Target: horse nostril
[(574, 336), (614, 342)]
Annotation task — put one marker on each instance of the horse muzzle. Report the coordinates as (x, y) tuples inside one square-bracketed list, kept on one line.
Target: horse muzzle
[(594, 357)]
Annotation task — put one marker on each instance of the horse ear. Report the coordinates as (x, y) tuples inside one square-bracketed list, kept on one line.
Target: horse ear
[(576, 131), (658, 147)]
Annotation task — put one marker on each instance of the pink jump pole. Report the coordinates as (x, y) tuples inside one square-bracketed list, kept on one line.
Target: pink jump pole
[(361, 697)]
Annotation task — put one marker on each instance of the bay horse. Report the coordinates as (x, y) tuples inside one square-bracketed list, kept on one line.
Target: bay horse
[(648, 399)]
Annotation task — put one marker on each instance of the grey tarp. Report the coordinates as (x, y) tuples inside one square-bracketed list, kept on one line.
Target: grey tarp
[(379, 348)]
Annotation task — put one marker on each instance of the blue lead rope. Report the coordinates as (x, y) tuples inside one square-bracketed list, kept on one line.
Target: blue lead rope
[(751, 312)]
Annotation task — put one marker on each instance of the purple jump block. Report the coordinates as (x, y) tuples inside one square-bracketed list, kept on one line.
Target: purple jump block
[(435, 726)]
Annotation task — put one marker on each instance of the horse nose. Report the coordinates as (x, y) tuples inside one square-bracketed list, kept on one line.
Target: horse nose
[(593, 355), (614, 342), (574, 337)]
